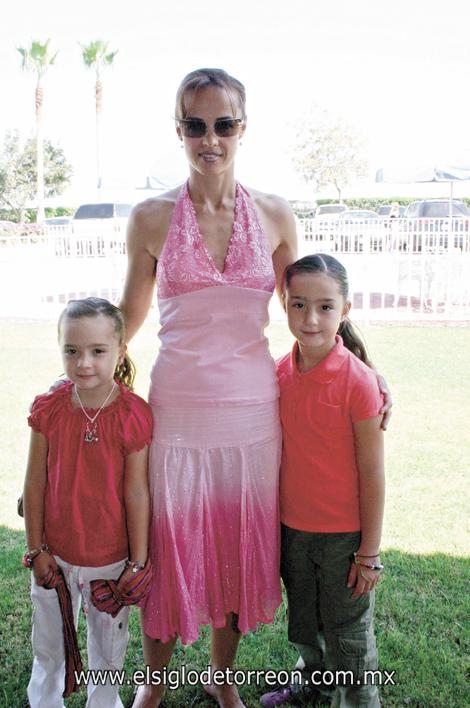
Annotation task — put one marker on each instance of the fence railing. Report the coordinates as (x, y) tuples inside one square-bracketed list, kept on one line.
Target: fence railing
[(388, 235), (397, 269)]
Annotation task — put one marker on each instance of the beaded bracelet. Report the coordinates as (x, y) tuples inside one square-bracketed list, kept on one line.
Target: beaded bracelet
[(29, 556), (372, 566)]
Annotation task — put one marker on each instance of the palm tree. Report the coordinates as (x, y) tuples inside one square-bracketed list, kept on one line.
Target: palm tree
[(95, 55), (37, 58)]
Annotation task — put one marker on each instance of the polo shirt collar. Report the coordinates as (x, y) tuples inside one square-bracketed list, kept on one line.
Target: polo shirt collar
[(327, 369)]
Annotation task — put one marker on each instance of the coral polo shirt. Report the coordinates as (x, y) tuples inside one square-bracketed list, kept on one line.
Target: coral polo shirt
[(319, 476)]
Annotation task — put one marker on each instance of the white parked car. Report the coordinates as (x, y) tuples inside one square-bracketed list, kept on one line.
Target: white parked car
[(101, 218), (329, 211)]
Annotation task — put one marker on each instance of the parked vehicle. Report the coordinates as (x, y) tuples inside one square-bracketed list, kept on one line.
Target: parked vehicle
[(385, 209), (436, 209), (353, 226), (58, 221), (330, 211), (351, 216), (103, 210), (428, 219), (326, 219), (101, 220)]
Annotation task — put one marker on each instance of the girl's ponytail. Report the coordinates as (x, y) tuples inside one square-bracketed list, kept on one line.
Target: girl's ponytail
[(353, 341), (125, 372)]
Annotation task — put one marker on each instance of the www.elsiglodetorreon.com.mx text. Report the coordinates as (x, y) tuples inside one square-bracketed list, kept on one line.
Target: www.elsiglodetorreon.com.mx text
[(176, 678)]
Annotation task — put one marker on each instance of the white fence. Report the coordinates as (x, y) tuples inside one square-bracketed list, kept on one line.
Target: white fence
[(398, 270), (40, 273)]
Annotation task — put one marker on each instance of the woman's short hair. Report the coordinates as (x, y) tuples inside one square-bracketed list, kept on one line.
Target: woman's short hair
[(201, 78)]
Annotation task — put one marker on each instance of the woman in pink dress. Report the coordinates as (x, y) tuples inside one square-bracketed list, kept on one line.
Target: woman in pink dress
[(215, 250)]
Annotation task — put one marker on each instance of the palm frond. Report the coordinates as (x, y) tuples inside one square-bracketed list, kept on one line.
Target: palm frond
[(37, 57), (95, 54)]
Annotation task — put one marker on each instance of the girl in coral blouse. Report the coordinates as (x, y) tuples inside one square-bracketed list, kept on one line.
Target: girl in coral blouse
[(86, 499)]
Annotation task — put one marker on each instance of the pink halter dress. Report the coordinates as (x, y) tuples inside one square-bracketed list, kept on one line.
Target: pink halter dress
[(215, 454)]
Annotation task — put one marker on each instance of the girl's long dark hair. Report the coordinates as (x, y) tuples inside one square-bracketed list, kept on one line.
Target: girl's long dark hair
[(324, 263), (93, 306)]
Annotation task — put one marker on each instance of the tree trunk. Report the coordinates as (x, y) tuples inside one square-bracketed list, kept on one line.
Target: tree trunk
[(99, 106), (40, 216)]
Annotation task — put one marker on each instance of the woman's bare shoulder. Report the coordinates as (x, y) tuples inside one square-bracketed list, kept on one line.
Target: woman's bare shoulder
[(271, 203), (277, 218), (155, 208), (150, 220)]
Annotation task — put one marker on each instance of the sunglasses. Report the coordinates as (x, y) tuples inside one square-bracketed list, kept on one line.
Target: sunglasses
[(197, 128)]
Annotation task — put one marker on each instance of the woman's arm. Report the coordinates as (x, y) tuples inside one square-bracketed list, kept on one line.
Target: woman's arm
[(33, 502), (137, 503), (141, 269), (368, 438), (386, 409), (279, 224), (286, 251)]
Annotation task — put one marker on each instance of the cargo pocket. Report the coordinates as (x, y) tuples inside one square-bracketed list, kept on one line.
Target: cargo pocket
[(352, 651)]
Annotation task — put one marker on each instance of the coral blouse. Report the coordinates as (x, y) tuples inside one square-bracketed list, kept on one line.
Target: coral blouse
[(84, 512)]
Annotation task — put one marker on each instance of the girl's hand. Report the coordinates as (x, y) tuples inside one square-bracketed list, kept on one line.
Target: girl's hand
[(362, 579), (42, 564), (386, 409), (125, 577)]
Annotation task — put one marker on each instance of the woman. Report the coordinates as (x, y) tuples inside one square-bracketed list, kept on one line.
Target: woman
[(216, 251), (214, 460)]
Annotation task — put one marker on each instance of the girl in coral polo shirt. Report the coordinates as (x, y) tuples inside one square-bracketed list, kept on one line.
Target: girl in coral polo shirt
[(86, 499), (332, 489)]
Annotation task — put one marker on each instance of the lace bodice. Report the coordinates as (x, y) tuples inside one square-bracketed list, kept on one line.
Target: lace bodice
[(186, 265)]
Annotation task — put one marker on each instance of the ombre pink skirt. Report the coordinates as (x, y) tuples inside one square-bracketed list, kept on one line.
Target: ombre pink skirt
[(215, 529)]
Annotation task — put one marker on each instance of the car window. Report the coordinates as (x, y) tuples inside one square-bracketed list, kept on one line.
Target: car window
[(94, 211), (330, 209), (440, 210), (123, 210), (384, 210)]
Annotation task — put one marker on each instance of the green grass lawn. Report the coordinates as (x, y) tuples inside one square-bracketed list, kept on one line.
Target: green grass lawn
[(423, 602)]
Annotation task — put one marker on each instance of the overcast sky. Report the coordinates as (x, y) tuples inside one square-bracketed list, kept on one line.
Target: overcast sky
[(398, 71)]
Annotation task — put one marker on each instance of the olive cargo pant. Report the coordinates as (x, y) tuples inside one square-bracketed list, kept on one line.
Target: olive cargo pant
[(330, 630)]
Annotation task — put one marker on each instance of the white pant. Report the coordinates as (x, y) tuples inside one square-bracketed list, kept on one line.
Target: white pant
[(106, 641)]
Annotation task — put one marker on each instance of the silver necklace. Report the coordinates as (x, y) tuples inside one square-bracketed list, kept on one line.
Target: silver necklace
[(91, 425)]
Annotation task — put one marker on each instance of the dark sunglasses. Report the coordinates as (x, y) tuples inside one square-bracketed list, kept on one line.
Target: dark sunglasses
[(197, 128)]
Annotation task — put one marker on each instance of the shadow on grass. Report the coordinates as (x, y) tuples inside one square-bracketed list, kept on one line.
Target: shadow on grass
[(423, 635)]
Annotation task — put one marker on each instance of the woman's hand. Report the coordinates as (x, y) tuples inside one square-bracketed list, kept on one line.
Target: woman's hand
[(362, 579), (386, 409)]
